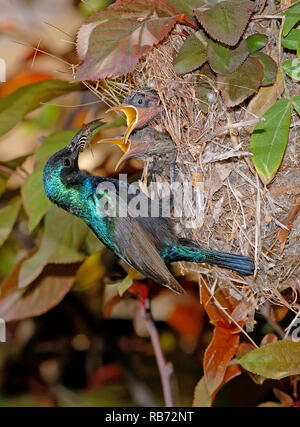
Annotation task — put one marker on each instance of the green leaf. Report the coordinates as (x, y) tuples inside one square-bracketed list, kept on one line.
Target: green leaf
[(256, 42), (227, 20), (296, 103), (202, 397), (8, 216), (35, 202), (27, 98), (125, 285), (292, 40), (192, 53), (53, 143), (62, 239), (242, 83), (91, 243), (269, 67), (275, 361), (9, 255), (270, 404), (292, 16), (111, 41), (224, 59), (292, 68), (269, 139), (3, 181), (128, 280)]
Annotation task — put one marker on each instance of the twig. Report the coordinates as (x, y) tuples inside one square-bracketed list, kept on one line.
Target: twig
[(165, 368), (228, 127)]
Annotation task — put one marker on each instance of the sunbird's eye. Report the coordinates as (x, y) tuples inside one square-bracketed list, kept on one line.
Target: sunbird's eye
[(67, 163)]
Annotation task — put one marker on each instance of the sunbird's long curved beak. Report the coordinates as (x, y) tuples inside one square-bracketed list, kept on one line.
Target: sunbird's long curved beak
[(135, 116), (85, 135)]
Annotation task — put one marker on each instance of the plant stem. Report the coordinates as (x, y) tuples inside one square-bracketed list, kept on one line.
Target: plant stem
[(165, 368)]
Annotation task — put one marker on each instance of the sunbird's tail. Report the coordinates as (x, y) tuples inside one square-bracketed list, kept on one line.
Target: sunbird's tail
[(192, 252)]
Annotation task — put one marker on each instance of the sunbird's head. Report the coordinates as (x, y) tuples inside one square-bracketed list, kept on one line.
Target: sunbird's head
[(67, 158), (140, 107), (61, 171)]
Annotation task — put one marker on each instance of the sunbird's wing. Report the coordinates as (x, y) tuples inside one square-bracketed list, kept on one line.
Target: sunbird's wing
[(140, 252), (136, 239)]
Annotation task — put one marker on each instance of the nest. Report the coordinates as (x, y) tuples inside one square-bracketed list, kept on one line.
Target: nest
[(237, 213)]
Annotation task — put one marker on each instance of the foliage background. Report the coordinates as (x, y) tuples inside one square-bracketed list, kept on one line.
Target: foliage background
[(91, 348)]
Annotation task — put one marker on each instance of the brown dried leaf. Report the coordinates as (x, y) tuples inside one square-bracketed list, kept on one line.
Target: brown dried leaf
[(43, 294), (282, 234), (263, 100)]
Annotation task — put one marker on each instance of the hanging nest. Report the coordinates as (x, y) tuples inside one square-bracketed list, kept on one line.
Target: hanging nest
[(237, 213)]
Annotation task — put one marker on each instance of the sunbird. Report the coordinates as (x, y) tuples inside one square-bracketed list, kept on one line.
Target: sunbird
[(149, 244)]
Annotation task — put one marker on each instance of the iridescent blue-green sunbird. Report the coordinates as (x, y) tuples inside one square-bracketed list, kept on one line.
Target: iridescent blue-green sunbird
[(146, 243)]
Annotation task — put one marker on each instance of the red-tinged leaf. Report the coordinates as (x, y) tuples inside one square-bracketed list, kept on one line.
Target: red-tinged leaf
[(221, 297), (227, 20), (268, 339), (103, 375), (109, 306), (269, 67), (217, 357), (39, 297), (140, 290), (187, 6), (202, 398), (243, 349), (187, 319), (283, 397), (223, 59), (112, 40), (242, 83)]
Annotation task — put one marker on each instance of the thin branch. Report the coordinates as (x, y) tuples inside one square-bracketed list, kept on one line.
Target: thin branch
[(165, 368)]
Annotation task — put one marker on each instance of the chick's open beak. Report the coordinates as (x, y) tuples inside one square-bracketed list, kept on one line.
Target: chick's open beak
[(125, 147), (128, 149), (135, 117)]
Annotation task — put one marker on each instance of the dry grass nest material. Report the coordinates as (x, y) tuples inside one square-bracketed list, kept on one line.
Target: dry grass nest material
[(238, 213)]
